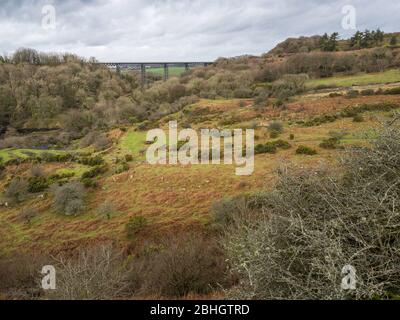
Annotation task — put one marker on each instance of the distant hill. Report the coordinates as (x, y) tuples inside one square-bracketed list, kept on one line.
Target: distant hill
[(360, 40)]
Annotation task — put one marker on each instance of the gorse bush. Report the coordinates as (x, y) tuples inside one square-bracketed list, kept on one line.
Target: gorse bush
[(37, 184), (272, 146), (95, 171), (306, 151), (316, 222), (331, 143), (134, 226), (358, 118)]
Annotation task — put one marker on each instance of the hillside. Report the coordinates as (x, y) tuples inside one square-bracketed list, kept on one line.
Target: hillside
[(360, 40), (74, 173)]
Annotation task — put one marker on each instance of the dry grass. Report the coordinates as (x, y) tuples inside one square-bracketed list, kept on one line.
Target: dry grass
[(174, 198)]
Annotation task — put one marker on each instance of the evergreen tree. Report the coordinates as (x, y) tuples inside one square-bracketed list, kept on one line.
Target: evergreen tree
[(355, 41), (333, 42), (329, 43)]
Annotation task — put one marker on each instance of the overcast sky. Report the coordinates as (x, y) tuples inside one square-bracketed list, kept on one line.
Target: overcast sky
[(184, 30)]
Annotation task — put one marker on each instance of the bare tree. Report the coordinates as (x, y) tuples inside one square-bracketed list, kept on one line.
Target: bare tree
[(96, 274), (318, 221)]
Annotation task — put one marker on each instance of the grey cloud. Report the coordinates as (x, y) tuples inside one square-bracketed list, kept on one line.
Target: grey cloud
[(163, 30)]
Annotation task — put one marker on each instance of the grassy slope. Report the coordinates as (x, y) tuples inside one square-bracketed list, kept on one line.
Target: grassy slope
[(7, 154), (357, 80), (177, 198)]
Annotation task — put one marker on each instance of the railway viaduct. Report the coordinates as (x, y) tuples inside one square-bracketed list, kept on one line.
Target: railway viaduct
[(142, 66)]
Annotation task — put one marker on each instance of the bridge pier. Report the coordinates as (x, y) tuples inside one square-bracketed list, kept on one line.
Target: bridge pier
[(143, 74), (166, 72)]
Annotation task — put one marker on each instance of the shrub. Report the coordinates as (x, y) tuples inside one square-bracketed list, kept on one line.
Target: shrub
[(134, 226), (16, 191), (265, 148), (316, 222), (306, 150), (289, 85), (392, 91), (128, 158), (37, 184), (91, 161), (106, 209), (122, 168), (102, 269), (279, 103), (271, 147), (27, 214), (223, 212), (243, 92), (334, 94), (145, 125), (36, 171), (275, 126), (52, 157), (358, 118), (97, 139), (89, 183), (19, 276), (282, 144), (186, 265), (352, 94), (94, 172), (101, 142), (274, 134), (331, 143), (60, 178), (367, 92), (69, 198)]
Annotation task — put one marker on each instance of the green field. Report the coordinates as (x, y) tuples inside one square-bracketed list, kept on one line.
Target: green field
[(173, 71), (356, 80), (133, 142), (11, 153)]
